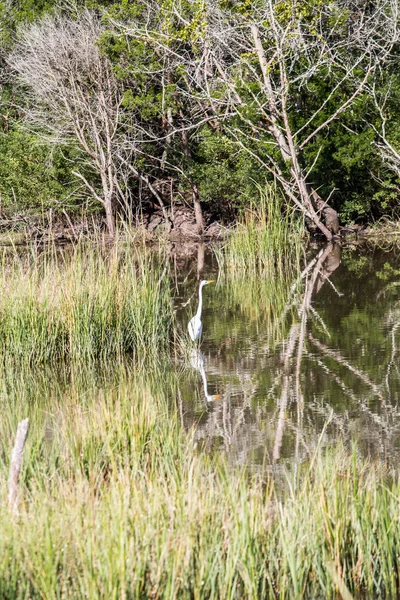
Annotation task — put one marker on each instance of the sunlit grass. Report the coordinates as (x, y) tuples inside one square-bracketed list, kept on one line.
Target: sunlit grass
[(268, 240), (84, 303), (260, 263), (117, 502)]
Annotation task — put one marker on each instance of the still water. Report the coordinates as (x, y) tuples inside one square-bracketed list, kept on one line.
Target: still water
[(270, 380), (283, 366)]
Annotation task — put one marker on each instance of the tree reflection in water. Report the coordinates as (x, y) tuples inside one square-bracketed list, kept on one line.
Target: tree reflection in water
[(279, 388)]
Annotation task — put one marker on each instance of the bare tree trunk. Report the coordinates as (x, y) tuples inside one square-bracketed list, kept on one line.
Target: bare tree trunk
[(198, 211), (110, 216), (329, 214), (310, 200)]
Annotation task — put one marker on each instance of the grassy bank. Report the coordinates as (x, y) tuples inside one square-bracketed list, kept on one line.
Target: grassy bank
[(83, 303), (116, 502)]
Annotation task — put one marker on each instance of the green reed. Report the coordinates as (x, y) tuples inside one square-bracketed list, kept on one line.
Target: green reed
[(116, 502), (84, 303), (269, 239), (260, 263)]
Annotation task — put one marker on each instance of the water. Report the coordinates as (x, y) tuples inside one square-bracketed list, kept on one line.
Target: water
[(281, 368), (266, 390)]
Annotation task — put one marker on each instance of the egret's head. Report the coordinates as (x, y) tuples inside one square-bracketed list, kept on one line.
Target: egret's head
[(206, 282)]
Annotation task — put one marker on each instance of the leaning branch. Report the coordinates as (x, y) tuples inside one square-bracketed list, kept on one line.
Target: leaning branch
[(338, 112)]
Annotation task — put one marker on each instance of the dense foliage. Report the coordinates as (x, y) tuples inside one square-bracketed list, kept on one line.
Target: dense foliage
[(176, 138)]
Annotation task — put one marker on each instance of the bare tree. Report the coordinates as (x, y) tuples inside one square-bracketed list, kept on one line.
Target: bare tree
[(343, 42), (261, 60), (181, 112), (73, 96), (386, 143)]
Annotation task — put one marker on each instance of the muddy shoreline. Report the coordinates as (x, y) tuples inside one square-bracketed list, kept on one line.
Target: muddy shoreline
[(179, 233)]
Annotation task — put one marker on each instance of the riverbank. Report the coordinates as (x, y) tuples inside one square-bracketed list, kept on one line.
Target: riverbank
[(178, 231)]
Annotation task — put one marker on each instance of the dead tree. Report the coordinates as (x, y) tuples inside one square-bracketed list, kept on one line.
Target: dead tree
[(260, 59), (16, 463), (74, 97), (180, 112), (295, 48)]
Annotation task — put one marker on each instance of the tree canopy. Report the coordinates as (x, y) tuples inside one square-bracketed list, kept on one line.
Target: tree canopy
[(125, 105)]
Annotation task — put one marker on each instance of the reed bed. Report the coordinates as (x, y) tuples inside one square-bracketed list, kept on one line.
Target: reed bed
[(116, 502), (267, 240), (260, 264), (83, 303)]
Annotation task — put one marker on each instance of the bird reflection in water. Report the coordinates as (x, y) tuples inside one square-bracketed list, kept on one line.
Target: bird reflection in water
[(197, 362)]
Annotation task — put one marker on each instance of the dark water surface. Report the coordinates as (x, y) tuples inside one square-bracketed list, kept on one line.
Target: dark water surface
[(270, 379)]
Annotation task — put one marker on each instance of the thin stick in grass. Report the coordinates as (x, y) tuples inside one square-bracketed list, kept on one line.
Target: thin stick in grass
[(16, 462)]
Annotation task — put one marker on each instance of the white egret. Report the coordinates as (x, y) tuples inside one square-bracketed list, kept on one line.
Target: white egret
[(195, 325)]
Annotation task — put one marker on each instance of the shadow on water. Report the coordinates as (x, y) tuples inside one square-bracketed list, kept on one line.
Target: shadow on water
[(318, 355)]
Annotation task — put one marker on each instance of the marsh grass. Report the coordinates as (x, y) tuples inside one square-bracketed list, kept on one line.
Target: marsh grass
[(117, 502), (260, 263), (268, 240), (84, 303)]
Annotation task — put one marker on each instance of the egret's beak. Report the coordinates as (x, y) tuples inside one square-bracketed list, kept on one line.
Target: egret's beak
[(211, 281), (216, 397)]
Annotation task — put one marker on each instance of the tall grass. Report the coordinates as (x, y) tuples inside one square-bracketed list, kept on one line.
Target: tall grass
[(116, 502), (269, 238), (260, 262), (83, 304)]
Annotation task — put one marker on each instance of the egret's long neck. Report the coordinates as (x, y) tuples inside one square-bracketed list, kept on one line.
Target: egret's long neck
[(200, 307)]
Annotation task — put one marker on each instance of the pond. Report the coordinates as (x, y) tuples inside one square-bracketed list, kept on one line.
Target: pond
[(282, 368), (270, 383)]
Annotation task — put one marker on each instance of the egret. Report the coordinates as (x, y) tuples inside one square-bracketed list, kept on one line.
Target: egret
[(195, 325)]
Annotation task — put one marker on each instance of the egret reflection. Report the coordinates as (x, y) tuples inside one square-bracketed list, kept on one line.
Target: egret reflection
[(197, 362)]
